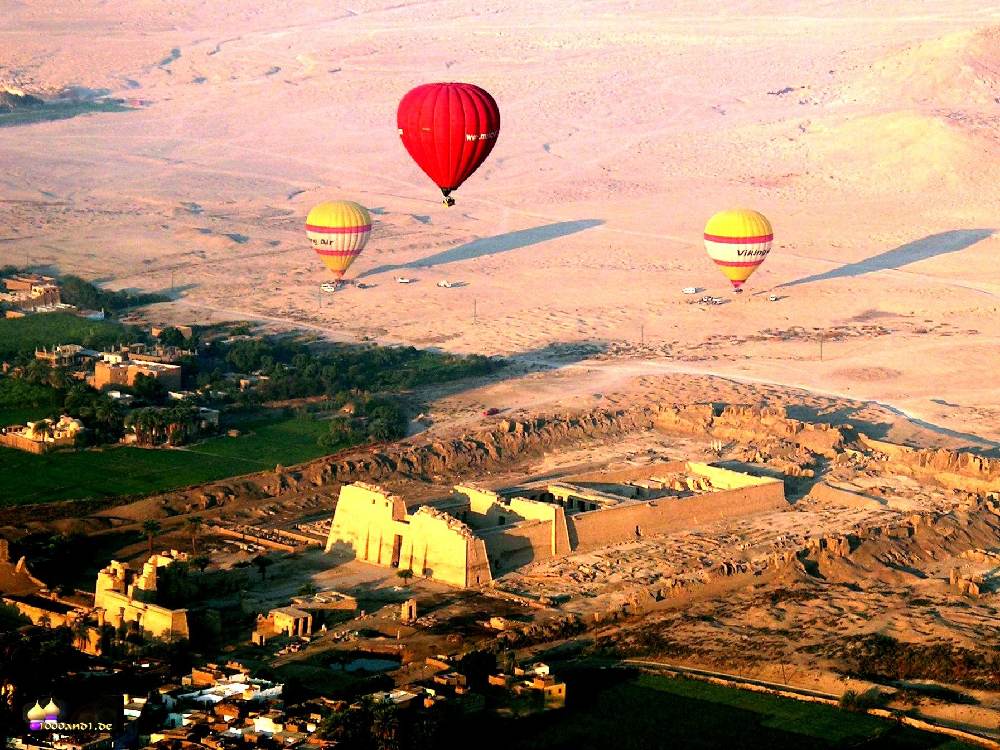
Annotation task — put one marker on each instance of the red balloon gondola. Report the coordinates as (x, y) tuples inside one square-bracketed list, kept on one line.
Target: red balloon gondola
[(449, 129)]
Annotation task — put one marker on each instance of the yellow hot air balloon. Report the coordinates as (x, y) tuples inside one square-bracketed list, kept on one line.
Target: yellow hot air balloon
[(338, 231), (738, 241)]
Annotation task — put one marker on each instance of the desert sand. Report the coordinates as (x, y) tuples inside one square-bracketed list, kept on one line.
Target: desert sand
[(869, 134)]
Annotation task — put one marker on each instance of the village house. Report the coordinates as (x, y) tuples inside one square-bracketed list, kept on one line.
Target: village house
[(29, 292), (65, 355), (113, 370), (43, 435)]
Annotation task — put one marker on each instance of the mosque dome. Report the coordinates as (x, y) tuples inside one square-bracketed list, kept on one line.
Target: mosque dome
[(36, 713), (51, 711)]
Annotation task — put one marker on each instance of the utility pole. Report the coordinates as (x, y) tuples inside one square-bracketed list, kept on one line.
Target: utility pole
[(474, 310), (171, 282), (821, 337), (642, 335)]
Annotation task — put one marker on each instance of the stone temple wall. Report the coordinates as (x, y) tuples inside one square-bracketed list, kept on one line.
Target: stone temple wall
[(374, 526)]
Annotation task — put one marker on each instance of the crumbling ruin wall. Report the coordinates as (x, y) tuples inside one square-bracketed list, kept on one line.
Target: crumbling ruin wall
[(829, 495), (961, 471), (620, 523), (511, 439), (747, 424)]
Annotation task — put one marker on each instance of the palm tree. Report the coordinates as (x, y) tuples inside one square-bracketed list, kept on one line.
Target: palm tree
[(194, 526), (81, 632), (263, 563), (385, 725), (151, 527), (36, 371), (56, 377), (108, 415)]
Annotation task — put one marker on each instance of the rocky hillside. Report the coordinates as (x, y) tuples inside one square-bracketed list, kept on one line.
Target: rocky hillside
[(12, 99)]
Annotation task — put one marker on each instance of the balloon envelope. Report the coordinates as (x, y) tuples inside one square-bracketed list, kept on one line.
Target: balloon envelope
[(738, 241), (338, 231), (449, 129)]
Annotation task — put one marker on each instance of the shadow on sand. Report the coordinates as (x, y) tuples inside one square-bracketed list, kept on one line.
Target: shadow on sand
[(912, 252), (500, 243)]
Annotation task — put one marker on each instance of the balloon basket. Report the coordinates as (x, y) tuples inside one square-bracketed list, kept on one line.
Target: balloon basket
[(448, 201)]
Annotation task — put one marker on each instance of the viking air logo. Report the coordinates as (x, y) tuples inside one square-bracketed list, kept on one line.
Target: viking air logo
[(40, 718)]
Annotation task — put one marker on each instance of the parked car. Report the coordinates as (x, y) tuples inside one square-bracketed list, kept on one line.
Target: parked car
[(491, 411)]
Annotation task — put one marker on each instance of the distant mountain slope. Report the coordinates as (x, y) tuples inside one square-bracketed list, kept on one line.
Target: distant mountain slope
[(956, 71)]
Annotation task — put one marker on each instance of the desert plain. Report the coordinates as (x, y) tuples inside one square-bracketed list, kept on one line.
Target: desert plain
[(869, 134)]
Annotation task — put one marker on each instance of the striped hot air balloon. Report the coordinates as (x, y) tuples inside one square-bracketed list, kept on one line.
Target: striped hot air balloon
[(738, 241), (338, 231)]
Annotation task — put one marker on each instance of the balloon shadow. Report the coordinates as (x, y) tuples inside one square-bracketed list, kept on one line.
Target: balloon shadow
[(500, 243), (922, 249)]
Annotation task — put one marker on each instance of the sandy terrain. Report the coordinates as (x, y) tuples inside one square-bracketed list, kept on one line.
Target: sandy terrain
[(869, 135)]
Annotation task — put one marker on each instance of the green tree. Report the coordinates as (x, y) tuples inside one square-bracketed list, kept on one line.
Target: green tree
[(36, 371), (200, 562), (57, 378), (406, 575), (170, 336), (385, 726), (262, 563), (149, 389)]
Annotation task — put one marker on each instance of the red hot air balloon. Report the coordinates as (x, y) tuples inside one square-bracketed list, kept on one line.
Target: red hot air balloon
[(449, 129)]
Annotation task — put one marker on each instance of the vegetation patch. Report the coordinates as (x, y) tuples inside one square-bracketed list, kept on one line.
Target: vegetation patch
[(880, 657), (117, 471), (20, 337)]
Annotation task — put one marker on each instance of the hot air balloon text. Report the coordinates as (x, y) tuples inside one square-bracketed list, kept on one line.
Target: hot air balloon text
[(738, 241)]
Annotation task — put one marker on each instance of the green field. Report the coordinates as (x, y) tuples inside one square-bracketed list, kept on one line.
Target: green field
[(22, 414), (27, 478), (616, 709), (21, 336)]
